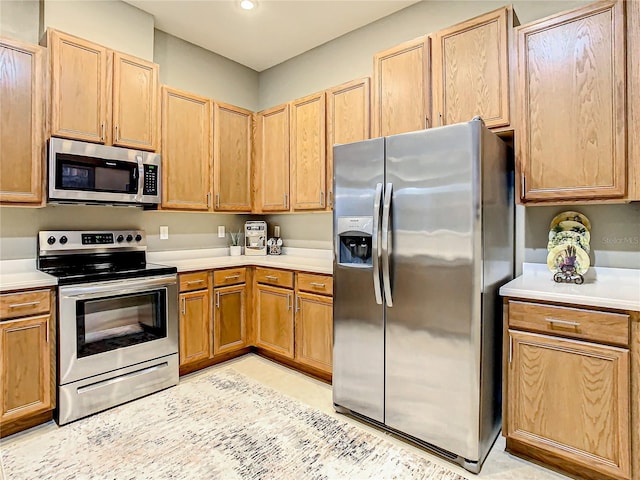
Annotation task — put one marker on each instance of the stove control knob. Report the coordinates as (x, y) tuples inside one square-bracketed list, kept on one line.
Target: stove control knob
[(129, 238), (63, 240), (120, 238), (138, 237), (51, 240)]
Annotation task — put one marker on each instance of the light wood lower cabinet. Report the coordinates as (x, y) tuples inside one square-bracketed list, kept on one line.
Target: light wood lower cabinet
[(27, 360), (568, 390), (274, 320), (314, 330), (195, 327), (229, 318)]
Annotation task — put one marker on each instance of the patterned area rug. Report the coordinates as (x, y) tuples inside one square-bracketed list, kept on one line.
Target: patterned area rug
[(222, 425)]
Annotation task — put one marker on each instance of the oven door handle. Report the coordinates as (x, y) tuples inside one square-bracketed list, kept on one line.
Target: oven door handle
[(118, 287)]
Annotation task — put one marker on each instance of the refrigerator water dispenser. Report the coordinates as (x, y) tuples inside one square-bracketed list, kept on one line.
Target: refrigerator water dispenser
[(355, 240)]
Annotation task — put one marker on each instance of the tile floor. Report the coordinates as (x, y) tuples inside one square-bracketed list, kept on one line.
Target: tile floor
[(498, 466)]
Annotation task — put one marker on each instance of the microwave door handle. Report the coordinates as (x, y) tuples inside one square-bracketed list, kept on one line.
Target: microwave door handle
[(139, 173), (386, 244)]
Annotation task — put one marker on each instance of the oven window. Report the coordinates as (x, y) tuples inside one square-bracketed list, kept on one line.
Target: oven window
[(114, 322)]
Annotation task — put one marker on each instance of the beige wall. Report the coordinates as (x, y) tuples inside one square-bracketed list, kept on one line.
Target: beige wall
[(20, 19), (194, 69), (20, 226), (111, 23), (351, 56)]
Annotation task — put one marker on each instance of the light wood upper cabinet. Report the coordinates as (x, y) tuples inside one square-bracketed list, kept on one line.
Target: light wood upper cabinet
[(274, 320), (25, 370), (195, 327), (80, 88), (571, 399), (570, 91), (470, 70), (135, 102), (308, 152), (401, 88), (348, 120), (229, 318), (22, 124), (272, 165), (102, 96), (186, 150), (633, 91), (232, 155)]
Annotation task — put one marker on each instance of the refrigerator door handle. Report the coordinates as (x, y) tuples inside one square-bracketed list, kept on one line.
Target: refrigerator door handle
[(386, 244), (375, 244)]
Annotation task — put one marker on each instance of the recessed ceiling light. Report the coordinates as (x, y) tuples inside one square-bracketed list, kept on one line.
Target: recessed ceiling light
[(247, 4)]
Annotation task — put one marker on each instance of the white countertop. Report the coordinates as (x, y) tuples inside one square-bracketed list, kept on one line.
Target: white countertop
[(603, 287), (303, 259), (22, 274), (19, 274)]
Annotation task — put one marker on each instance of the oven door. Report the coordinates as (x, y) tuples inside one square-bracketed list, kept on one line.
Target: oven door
[(110, 325)]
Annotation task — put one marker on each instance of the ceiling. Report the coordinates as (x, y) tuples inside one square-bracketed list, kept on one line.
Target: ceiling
[(271, 33)]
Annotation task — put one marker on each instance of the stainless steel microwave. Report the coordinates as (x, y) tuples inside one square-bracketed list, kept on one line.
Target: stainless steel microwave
[(81, 172)]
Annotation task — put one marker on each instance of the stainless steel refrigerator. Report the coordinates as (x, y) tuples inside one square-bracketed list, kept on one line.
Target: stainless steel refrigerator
[(423, 226)]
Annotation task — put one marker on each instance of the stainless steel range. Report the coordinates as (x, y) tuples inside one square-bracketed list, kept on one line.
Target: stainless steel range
[(117, 319)]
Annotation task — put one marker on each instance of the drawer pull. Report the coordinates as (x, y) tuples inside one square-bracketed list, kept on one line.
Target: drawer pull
[(231, 277), (193, 282), (562, 322), (271, 277), (26, 304), (316, 284)]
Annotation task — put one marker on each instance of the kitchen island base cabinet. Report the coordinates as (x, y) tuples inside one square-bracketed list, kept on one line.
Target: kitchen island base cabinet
[(569, 375)]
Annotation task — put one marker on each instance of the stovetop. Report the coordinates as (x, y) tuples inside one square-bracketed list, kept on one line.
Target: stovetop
[(95, 256)]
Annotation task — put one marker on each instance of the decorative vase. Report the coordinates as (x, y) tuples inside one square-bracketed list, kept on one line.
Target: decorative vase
[(235, 250)]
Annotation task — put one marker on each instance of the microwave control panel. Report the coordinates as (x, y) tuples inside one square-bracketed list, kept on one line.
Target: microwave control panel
[(150, 186)]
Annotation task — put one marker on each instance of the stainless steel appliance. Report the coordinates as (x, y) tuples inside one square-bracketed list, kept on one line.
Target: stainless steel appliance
[(81, 172), (255, 238), (117, 319), (423, 227)]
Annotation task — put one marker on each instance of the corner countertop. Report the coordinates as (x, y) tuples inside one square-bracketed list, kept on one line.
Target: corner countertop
[(21, 274), (617, 288), (302, 259)]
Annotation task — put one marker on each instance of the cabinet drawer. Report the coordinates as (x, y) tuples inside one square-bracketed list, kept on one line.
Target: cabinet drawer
[(570, 322), (194, 281), (230, 276), (322, 284), (14, 305), (270, 276)]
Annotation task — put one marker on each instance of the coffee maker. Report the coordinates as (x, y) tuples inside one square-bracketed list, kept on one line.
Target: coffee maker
[(255, 238)]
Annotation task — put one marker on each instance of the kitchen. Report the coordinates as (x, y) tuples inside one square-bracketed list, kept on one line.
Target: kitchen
[(190, 68)]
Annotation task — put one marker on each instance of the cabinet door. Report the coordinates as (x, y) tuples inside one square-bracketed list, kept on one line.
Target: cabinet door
[(471, 71), (314, 331), (135, 102), (633, 87), (274, 320), (229, 319), (186, 150), (348, 121), (80, 88), (401, 88), (22, 145), (308, 153), (571, 98), (272, 172), (571, 399), (195, 327), (232, 158), (25, 380)]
